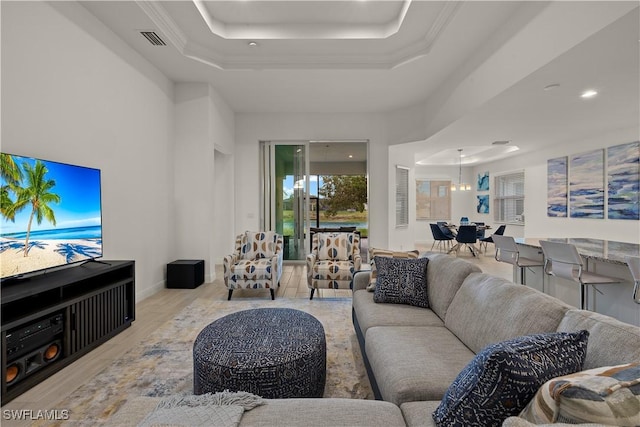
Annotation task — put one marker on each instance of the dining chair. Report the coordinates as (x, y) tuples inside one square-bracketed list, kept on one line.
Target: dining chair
[(480, 230), (634, 266), (486, 240), (446, 230), (507, 251), (439, 237), (563, 260), (466, 237)]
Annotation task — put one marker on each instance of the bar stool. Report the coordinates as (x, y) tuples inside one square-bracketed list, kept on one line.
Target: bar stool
[(563, 260), (507, 251), (634, 266)]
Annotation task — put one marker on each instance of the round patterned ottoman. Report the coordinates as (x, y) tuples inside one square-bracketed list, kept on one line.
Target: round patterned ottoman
[(272, 352)]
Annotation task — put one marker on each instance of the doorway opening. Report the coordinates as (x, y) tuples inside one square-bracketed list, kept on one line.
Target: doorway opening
[(310, 186)]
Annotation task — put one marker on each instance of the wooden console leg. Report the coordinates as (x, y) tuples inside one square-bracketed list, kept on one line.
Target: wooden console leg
[(312, 291), (273, 294), (230, 292)]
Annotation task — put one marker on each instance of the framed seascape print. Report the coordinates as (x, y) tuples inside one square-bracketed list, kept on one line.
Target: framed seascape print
[(483, 182), (586, 185), (623, 180), (483, 204), (557, 187)]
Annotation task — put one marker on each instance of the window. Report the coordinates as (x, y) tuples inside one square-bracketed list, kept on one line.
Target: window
[(402, 196), (508, 201), (433, 199)]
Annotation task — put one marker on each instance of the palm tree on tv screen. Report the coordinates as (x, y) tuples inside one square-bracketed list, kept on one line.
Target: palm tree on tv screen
[(36, 194), (12, 175)]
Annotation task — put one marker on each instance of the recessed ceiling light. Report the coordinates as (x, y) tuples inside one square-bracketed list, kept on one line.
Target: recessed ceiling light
[(351, 156), (589, 93), (552, 86), (252, 44)]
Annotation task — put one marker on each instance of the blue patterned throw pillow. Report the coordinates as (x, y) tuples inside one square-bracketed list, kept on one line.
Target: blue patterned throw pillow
[(401, 281), (503, 377)]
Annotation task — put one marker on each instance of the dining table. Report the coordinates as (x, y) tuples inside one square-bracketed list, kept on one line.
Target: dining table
[(475, 251), (454, 227)]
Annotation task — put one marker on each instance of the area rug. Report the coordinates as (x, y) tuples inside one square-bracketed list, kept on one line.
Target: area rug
[(163, 365)]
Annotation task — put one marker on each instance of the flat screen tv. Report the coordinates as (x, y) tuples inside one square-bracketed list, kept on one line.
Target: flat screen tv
[(51, 215)]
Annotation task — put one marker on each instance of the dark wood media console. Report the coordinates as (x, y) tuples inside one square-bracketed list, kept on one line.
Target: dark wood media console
[(50, 320)]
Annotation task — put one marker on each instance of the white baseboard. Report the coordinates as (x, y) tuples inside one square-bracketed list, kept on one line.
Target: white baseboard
[(146, 293)]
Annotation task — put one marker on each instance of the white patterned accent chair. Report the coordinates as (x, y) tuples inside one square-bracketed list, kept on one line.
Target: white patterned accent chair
[(333, 260), (256, 262)]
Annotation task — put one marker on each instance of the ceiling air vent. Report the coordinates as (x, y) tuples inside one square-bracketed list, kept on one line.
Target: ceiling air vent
[(500, 142), (153, 38)]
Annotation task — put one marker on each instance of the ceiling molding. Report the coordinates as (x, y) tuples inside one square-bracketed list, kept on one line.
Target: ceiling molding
[(293, 31), (195, 51), (470, 155), (418, 50)]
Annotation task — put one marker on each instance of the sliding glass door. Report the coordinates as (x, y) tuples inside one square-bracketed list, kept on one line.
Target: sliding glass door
[(313, 184), (284, 185)]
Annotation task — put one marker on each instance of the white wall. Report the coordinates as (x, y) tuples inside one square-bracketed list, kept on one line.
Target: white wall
[(254, 127), (222, 122), (223, 213), (537, 223), (75, 93), (406, 124), (204, 122)]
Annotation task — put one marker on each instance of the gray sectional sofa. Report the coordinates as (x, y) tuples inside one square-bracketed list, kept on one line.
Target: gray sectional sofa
[(413, 354)]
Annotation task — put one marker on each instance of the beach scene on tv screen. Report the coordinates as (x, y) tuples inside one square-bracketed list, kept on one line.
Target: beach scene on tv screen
[(50, 214)]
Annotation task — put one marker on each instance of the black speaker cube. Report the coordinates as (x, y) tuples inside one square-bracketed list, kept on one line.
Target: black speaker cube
[(185, 273)]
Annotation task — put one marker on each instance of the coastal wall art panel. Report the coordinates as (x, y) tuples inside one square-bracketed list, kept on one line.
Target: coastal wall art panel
[(557, 187), (586, 184), (483, 182), (623, 178), (483, 204)]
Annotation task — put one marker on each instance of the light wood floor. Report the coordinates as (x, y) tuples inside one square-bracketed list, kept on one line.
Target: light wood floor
[(152, 312)]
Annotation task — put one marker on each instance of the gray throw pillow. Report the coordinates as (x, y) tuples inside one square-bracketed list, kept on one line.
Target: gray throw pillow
[(503, 377), (401, 281)]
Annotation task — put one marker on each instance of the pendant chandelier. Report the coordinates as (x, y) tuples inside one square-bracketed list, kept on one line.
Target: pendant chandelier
[(461, 185)]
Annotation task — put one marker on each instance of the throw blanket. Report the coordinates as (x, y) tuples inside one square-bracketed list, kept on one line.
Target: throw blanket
[(222, 409)]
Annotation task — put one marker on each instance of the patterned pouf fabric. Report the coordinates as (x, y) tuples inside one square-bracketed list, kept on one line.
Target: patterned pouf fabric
[(275, 353)]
